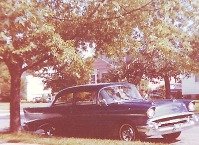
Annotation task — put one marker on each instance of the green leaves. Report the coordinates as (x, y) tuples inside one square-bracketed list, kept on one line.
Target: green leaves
[(164, 48), (37, 30)]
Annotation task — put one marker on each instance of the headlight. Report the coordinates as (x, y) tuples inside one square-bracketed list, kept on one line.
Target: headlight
[(191, 106), (151, 112)]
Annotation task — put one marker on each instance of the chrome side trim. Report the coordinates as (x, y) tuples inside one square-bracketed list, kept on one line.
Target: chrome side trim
[(111, 115)]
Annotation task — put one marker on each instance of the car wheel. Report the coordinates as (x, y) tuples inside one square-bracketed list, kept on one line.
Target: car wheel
[(46, 130), (127, 132), (171, 136)]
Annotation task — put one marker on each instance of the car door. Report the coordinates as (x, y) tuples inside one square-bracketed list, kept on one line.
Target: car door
[(86, 113), (62, 108)]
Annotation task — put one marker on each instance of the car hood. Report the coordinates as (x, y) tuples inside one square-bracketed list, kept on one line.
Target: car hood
[(162, 107), (169, 107)]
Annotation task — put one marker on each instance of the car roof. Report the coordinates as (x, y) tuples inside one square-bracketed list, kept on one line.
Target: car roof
[(88, 87)]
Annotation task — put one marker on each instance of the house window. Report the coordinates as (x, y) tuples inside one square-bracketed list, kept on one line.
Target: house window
[(104, 77), (196, 78), (92, 79)]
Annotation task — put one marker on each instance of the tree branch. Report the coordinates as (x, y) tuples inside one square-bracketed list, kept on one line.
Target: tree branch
[(88, 17), (95, 10), (61, 19), (45, 57), (127, 13), (109, 18)]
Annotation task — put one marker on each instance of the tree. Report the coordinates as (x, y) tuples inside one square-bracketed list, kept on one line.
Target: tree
[(65, 75), (27, 41), (159, 47), (102, 23), (172, 36), (4, 83), (40, 34), (195, 46)]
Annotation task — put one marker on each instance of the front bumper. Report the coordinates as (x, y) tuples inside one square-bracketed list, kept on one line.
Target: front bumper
[(154, 128)]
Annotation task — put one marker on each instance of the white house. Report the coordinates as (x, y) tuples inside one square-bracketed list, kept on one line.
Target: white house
[(35, 88), (190, 87)]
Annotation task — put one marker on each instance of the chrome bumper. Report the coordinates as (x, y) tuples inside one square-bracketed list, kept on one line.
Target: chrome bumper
[(171, 126)]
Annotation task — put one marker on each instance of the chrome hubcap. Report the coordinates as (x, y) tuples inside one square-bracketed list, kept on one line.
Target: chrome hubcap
[(49, 131), (127, 133)]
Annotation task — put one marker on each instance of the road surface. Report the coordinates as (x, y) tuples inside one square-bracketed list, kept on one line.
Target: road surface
[(4, 112), (187, 137), (5, 119)]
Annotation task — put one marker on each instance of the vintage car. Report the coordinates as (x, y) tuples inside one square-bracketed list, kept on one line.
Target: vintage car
[(113, 110)]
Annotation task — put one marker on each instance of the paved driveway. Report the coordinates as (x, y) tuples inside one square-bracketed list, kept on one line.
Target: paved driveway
[(5, 113), (187, 137)]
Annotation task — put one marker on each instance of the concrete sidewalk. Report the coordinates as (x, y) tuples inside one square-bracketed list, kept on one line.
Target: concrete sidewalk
[(17, 144), (6, 113)]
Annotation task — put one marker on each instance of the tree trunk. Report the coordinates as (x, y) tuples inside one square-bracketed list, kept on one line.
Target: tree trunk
[(167, 87), (15, 120)]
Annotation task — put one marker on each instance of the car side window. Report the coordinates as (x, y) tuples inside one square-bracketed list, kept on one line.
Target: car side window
[(105, 96), (65, 99), (85, 97)]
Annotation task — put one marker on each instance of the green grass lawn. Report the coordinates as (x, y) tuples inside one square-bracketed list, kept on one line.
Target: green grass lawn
[(35, 139)]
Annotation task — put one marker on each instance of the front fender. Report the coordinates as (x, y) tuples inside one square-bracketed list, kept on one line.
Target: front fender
[(186, 102)]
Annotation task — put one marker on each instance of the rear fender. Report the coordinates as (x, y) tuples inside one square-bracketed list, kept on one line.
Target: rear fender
[(35, 124)]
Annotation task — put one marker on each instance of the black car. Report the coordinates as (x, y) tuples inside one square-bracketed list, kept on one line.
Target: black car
[(113, 110)]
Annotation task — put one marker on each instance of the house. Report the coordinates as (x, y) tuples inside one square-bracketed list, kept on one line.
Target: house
[(35, 88), (190, 87), (101, 66)]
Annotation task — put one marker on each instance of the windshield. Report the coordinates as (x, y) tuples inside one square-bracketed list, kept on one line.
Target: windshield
[(119, 93)]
